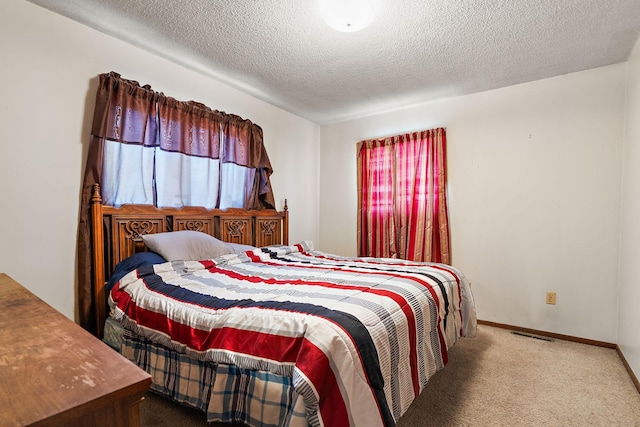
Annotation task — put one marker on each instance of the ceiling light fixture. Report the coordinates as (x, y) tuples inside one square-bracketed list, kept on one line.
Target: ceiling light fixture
[(348, 15)]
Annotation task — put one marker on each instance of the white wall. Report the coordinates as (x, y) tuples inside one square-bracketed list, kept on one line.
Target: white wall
[(48, 82), (534, 189), (629, 293)]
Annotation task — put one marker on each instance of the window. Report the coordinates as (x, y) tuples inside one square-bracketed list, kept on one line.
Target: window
[(402, 207)]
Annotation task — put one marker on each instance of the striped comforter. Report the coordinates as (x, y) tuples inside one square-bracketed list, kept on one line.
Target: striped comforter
[(360, 337)]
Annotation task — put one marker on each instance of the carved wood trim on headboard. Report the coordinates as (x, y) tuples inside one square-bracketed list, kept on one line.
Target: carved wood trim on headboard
[(117, 231)]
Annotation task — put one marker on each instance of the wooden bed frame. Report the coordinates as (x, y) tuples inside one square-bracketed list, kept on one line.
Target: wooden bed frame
[(117, 231)]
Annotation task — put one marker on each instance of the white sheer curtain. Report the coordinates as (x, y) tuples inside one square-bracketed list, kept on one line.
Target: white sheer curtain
[(233, 193), (187, 180), (127, 176)]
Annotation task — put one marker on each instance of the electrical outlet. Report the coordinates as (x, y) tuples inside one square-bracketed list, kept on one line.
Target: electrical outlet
[(551, 298)]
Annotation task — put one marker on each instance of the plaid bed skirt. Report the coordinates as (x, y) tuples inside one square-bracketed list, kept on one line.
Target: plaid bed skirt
[(225, 392)]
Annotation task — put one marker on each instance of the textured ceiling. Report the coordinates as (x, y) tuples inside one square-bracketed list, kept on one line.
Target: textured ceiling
[(414, 51)]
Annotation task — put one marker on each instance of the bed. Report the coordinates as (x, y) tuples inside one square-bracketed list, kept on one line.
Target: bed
[(267, 333)]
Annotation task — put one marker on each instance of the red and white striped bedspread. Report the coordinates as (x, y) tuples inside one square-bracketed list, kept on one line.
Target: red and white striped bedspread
[(360, 337)]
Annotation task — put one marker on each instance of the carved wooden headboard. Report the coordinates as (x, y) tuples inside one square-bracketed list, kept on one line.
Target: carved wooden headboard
[(117, 231)]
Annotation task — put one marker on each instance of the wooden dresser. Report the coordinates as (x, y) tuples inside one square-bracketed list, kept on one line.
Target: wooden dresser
[(54, 373)]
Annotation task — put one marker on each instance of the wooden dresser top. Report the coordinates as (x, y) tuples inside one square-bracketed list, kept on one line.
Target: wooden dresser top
[(51, 368)]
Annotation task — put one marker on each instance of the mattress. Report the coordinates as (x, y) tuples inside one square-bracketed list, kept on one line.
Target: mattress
[(352, 340)]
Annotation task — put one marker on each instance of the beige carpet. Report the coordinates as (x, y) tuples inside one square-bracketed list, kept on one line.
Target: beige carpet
[(499, 379)]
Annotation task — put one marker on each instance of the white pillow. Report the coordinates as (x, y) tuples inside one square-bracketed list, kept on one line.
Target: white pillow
[(186, 245), (238, 248)]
